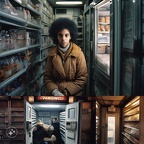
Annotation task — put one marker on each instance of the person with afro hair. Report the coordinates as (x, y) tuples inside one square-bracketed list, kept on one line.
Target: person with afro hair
[(66, 70)]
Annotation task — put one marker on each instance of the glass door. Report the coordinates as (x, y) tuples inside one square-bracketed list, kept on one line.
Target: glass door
[(112, 128), (131, 48), (103, 54), (107, 48), (102, 37)]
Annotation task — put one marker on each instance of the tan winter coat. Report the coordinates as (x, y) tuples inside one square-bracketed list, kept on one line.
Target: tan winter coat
[(66, 72)]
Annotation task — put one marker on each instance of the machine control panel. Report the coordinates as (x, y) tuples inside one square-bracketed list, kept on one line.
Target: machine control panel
[(71, 125)]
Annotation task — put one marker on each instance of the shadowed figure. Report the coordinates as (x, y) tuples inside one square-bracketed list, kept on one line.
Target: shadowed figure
[(43, 134), (56, 132)]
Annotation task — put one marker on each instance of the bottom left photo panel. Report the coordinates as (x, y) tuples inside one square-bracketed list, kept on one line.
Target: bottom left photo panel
[(45, 120)]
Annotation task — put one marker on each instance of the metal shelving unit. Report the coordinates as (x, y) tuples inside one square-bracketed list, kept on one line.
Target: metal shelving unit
[(4, 117), (38, 50), (17, 120), (34, 121), (131, 118), (11, 120), (62, 125), (80, 33)]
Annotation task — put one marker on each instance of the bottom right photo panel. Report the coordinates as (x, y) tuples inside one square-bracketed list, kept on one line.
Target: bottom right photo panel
[(119, 120)]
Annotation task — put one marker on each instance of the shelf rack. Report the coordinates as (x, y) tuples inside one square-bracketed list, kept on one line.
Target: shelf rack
[(131, 121), (62, 125), (40, 49), (11, 116)]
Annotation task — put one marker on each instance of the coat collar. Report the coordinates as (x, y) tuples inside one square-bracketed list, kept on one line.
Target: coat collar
[(74, 52)]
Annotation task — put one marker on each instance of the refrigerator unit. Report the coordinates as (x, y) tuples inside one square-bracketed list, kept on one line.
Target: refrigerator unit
[(74, 120), (132, 79), (118, 48), (106, 56), (102, 49)]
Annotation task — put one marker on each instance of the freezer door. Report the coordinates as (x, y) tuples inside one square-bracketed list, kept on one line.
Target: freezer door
[(132, 26), (28, 123), (72, 123)]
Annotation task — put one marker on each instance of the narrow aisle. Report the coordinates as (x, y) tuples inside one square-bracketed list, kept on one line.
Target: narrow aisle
[(119, 119)]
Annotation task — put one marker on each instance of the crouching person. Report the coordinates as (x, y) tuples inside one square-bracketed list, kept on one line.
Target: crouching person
[(43, 134)]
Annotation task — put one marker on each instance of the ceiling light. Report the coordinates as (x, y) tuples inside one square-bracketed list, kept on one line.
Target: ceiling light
[(103, 3), (49, 106), (92, 3), (68, 2)]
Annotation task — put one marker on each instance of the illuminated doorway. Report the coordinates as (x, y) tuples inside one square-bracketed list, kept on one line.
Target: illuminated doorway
[(112, 129)]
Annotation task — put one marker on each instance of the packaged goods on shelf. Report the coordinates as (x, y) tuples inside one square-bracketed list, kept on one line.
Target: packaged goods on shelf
[(101, 19), (107, 28), (103, 38), (10, 65), (107, 19), (131, 120), (7, 7)]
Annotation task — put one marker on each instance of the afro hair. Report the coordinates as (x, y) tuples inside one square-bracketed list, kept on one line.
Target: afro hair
[(60, 24)]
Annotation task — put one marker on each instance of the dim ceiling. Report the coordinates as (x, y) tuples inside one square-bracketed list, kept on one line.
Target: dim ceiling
[(111, 100), (53, 4)]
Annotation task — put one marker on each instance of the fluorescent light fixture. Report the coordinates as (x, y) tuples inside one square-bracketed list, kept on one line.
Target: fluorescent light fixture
[(68, 2), (49, 106), (103, 3)]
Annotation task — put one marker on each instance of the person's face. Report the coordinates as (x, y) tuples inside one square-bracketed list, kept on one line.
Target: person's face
[(53, 120), (64, 37)]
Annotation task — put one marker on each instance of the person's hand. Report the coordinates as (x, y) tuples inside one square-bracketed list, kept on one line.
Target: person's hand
[(56, 92)]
